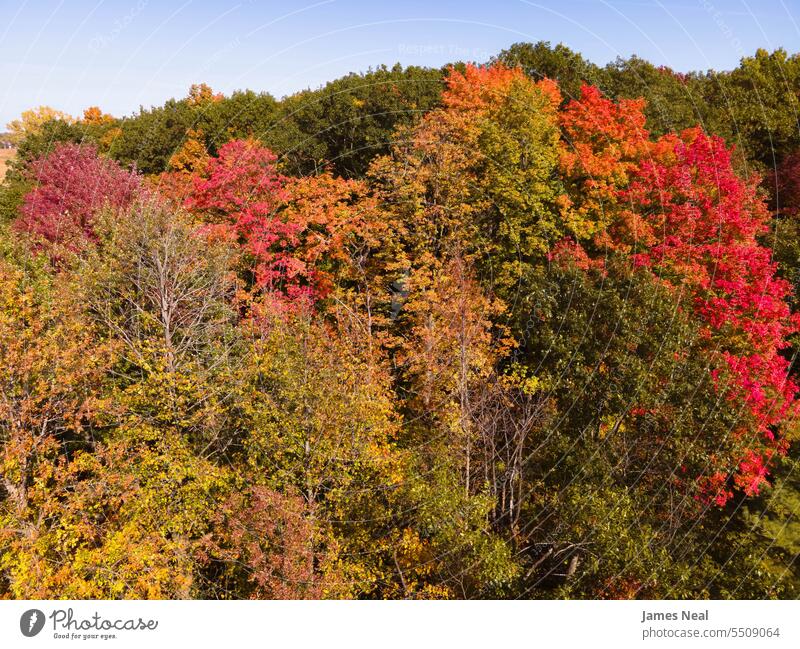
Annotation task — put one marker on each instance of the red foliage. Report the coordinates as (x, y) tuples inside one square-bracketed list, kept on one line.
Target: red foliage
[(567, 253), (703, 222), (72, 184), (244, 192), (714, 488), (753, 473), (603, 138), (291, 229)]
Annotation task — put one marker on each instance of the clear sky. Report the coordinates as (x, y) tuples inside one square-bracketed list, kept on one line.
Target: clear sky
[(120, 54)]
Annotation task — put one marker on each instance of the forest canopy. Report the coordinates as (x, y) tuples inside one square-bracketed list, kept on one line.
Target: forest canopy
[(520, 329)]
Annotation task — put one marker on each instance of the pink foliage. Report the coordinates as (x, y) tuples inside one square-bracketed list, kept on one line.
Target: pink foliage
[(72, 184), (752, 474)]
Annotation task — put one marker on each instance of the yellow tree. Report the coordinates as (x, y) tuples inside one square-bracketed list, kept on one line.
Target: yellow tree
[(31, 121), (51, 365)]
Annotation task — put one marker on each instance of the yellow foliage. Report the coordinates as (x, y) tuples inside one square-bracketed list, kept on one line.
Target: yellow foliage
[(31, 122)]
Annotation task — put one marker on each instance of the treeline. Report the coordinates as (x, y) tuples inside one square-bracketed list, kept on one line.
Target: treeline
[(352, 119), (516, 330)]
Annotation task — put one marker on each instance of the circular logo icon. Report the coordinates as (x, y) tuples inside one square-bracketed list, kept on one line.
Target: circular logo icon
[(31, 622)]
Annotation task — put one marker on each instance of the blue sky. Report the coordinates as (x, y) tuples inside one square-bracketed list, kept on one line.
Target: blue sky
[(120, 54)]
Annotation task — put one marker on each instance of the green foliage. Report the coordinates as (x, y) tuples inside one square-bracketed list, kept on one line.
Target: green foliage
[(675, 101), (342, 125), (42, 142), (150, 138), (541, 60), (629, 391), (756, 106), (351, 120), (12, 195)]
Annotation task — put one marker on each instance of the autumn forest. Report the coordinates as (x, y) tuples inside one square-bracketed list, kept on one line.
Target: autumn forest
[(518, 329)]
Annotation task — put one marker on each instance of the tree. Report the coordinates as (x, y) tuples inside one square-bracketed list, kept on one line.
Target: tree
[(680, 208), (52, 366), (162, 289), (478, 176), (673, 101), (192, 157), (353, 119), (543, 61), (31, 122), (320, 429), (264, 545), (756, 107), (121, 513), (294, 233), (201, 93), (149, 139), (71, 185), (43, 142), (93, 115), (714, 219)]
